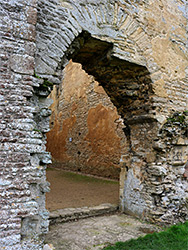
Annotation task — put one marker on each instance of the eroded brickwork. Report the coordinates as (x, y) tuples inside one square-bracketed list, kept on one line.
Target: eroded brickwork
[(125, 53), (23, 217), (136, 32)]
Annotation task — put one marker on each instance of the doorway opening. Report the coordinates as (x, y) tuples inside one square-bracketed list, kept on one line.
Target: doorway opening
[(86, 140), (96, 107)]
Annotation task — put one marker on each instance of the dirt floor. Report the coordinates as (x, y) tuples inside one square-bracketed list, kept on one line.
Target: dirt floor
[(74, 190), (97, 232)]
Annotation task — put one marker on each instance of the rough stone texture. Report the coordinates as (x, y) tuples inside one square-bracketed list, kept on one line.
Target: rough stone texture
[(22, 183), (86, 132), (74, 214), (97, 232), (139, 34), (125, 51)]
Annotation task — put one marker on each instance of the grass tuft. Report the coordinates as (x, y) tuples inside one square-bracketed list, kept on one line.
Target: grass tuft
[(173, 238)]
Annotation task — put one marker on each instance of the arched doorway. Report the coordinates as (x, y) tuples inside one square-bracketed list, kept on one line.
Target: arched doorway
[(155, 165), (129, 87), (143, 104), (86, 137)]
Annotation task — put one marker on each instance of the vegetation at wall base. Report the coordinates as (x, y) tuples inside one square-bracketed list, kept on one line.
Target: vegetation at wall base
[(173, 238)]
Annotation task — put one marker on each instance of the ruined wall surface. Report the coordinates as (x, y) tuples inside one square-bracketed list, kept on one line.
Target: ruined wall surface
[(23, 217), (141, 34), (143, 69), (86, 131)]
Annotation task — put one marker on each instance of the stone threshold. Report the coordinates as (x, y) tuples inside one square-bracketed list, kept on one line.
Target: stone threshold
[(74, 214)]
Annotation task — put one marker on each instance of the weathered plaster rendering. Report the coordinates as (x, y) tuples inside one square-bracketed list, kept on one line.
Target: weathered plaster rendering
[(139, 56), (85, 130)]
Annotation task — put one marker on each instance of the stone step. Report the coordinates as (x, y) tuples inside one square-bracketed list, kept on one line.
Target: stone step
[(72, 214)]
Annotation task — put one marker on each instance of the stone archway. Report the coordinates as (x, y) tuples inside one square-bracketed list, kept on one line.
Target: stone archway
[(117, 52), (129, 87), (153, 173)]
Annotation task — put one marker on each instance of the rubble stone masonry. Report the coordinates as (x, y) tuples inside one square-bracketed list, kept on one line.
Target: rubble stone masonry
[(86, 132), (137, 50)]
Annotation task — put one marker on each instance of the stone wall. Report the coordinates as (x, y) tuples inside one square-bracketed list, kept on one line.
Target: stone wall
[(140, 59), (23, 217), (38, 37), (86, 132)]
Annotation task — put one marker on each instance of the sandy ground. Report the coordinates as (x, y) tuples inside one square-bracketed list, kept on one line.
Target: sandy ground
[(96, 232), (75, 190)]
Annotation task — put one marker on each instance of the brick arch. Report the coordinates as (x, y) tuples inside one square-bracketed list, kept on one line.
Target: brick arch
[(113, 25), (132, 26), (113, 22), (59, 25)]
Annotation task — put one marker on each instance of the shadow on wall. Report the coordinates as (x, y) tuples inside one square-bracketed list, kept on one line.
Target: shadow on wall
[(86, 131), (87, 134)]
